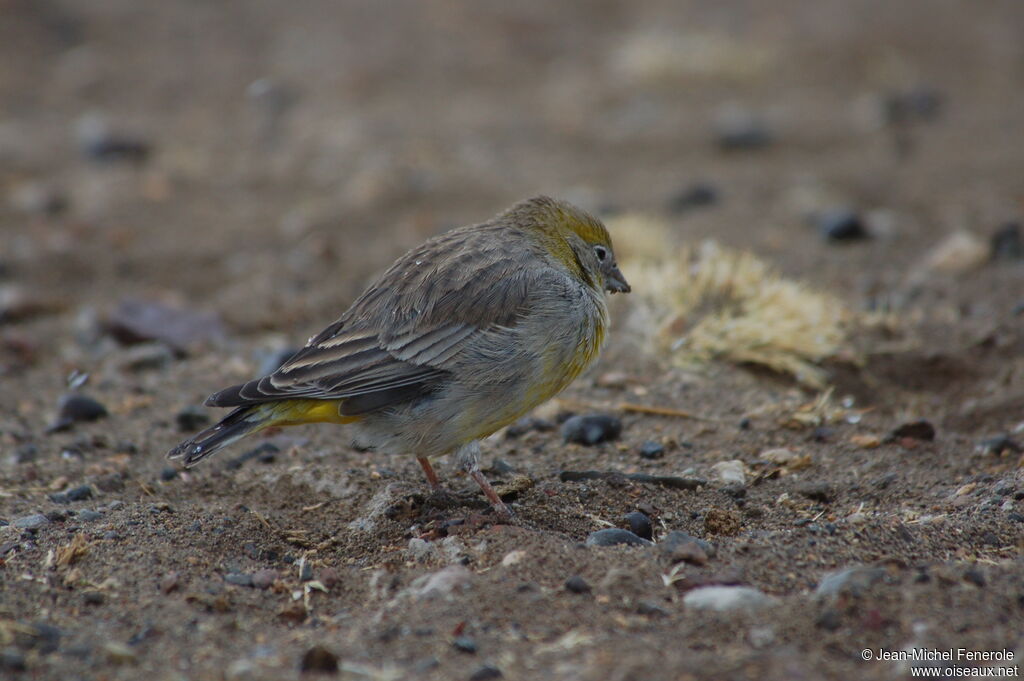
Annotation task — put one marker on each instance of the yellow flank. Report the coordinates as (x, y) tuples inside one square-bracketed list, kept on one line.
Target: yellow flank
[(297, 412)]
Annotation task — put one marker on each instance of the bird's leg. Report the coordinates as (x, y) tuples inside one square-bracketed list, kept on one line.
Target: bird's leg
[(469, 459), (435, 484)]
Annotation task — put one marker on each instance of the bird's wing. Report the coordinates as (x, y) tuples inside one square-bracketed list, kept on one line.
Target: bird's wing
[(399, 339)]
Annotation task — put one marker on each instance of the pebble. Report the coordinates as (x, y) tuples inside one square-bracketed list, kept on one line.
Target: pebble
[(651, 450), (440, 583), (118, 653), (464, 644), (577, 585), (12, 660), (169, 582), (264, 579), (79, 493), (639, 524), (591, 429), (727, 598), (319, 659), (527, 424), (678, 546), (420, 549), (916, 430), (328, 576), (730, 472), (614, 536), (696, 195), (88, 515), (829, 619), (265, 453), (99, 142), (999, 444), (841, 225), (974, 576), (779, 456), (138, 321), (31, 522), (817, 491), (191, 419), (960, 252), (650, 608), (75, 407), (145, 357), (737, 129), (306, 572), (1006, 244), (93, 598), (852, 581), (168, 473), (238, 579), (486, 673)]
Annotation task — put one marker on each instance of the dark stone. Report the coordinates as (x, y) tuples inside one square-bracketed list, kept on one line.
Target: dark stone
[(265, 453), (916, 430), (306, 572), (696, 195), (917, 104), (1015, 517), (651, 609), (88, 515), (93, 597), (525, 425), (12, 660), (841, 224), (829, 619), (486, 673), (191, 419), (679, 546), (73, 408), (591, 429), (639, 524), (26, 453), (465, 644), (823, 434), (651, 450), (167, 474), (974, 576), (138, 321), (999, 444), (263, 579), (817, 491), (577, 585), (741, 131), (615, 537), (319, 659), (31, 522), (1007, 244)]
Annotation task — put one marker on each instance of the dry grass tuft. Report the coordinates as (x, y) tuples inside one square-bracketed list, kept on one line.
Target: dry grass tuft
[(709, 302)]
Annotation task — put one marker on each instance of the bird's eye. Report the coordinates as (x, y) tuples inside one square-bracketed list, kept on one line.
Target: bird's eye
[(601, 252)]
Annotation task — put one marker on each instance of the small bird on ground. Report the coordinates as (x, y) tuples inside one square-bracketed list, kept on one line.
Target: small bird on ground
[(457, 339)]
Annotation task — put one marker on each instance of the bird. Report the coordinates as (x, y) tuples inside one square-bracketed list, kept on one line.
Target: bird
[(460, 337)]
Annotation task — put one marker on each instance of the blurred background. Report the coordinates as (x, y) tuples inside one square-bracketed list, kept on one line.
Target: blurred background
[(264, 159)]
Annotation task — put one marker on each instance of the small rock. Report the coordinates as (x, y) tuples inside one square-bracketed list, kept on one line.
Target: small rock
[(12, 660), (613, 380), (739, 130), (727, 598), (145, 357), (75, 407), (440, 583), (88, 515), (829, 619), (958, 253), (591, 429), (238, 579), (486, 673), (118, 653), (639, 524), (306, 572), (999, 444), (168, 473), (852, 581), (265, 578), (730, 472), (31, 522), (99, 142), (841, 225), (916, 430), (464, 644), (527, 424), (679, 546), (79, 493), (614, 537), (817, 491), (1006, 244), (513, 558), (93, 597), (651, 450), (974, 576), (137, 321), (696, 195), (577, 585), (779, 456), (920, 103), (191, 419), (650, 608), (420, 549), (265, 453), (319, 659)]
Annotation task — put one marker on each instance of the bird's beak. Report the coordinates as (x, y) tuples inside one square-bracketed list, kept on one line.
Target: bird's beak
[(615, 282)]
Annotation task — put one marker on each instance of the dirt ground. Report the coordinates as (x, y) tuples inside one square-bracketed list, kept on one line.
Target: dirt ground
[(259, 162)]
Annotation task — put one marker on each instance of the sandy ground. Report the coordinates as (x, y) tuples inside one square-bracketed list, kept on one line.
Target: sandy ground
[(256, 163)]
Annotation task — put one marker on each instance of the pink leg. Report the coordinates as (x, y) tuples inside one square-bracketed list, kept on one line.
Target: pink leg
[(491, 495), (429, 470)]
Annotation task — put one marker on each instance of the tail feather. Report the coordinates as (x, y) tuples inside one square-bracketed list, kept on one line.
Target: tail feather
[(234, 426)]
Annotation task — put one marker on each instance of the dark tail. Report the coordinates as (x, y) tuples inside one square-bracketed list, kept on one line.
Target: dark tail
[(234, 426)]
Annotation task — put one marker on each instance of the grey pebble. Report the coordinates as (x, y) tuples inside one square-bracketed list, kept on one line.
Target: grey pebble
[(263, 579), (591, 429), (614, 537), (465, 644), (639, 524), (31, 522), (238, 579), (651, 450), (486, 673), (577, 585), (841, 225), (75, 407), (88, 515)]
